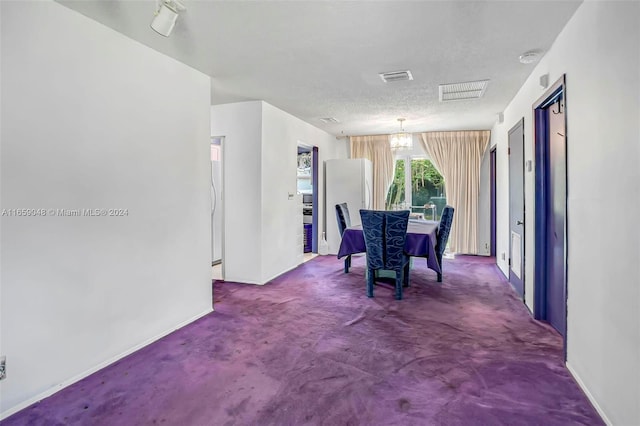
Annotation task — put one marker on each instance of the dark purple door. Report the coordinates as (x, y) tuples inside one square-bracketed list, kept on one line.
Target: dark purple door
[(556, 218), (316, 205), (493, 201)]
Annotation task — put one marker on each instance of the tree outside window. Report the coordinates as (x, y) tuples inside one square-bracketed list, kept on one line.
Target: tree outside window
[(427, 188)]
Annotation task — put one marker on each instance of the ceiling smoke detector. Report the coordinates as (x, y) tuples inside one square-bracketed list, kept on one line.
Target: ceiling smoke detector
[(530, 57), (389, 77), (461, 91)]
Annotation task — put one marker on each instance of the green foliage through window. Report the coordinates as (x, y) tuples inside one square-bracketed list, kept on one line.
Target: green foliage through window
[(426, 182), (427, 186)]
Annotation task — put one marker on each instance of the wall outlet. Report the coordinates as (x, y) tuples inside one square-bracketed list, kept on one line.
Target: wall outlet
[(3, 367), (503, 256)]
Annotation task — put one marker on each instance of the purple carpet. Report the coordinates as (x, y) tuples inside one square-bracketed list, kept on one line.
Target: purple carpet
[(311, 348)]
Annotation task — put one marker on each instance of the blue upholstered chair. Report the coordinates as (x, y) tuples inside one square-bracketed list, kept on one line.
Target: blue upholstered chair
[(443, 235), (344, 221), (385, 233)]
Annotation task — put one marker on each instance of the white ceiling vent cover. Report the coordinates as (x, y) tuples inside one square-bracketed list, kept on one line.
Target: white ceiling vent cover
[(466, 90), (389, 77), (329, 120)]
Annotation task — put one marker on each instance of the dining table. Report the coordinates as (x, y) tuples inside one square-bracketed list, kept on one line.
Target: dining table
[(420, 241)]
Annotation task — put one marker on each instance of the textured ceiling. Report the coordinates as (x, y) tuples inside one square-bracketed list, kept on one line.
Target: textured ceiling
[(318, 59)]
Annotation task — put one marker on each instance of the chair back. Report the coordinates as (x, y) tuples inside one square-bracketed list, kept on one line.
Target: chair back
[(444, 229), (342, 216), (385, 233)]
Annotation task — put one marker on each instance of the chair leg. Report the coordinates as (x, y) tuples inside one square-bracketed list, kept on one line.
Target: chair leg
[(399, 279), (440, 263), (370, 278), (347, 264), (407, 268)]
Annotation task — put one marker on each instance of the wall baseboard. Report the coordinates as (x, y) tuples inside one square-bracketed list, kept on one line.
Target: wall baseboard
[(584, 388), (47, 393), (249, 282), (282, 273)]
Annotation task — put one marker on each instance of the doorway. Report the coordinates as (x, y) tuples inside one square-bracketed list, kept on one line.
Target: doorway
[(216, 188), (307, 188), (551, 208), (516, 207)]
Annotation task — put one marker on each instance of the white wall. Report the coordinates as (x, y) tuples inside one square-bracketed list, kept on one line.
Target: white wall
[(599, 50), (282, 132), (241, 125), (92, 119), (262, 225)]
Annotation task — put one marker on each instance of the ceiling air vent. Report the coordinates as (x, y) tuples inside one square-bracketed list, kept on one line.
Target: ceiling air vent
[(329, 120), (466, 90), (389, 77)]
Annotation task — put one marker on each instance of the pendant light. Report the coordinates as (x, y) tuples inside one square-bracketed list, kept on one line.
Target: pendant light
[(401, 140)]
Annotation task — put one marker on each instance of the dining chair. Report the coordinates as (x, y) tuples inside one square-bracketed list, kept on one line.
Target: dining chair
[(344, 221), (443, 235), (385, 233)]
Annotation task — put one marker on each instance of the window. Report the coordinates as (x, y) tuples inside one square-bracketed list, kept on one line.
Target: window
[(396, 194), (417, 186), (427, 188)]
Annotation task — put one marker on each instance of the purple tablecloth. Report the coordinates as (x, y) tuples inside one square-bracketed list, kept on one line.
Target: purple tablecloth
[(421, 241)]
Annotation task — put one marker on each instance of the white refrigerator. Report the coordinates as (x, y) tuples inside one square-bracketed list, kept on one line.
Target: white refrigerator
[(349, 181)]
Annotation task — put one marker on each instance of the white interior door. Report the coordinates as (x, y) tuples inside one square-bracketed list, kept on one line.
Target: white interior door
[(216, 200), (516, 207)]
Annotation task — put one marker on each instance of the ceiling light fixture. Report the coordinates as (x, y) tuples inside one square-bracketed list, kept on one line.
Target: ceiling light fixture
[(401, 140), (166, 15), (530, 57)]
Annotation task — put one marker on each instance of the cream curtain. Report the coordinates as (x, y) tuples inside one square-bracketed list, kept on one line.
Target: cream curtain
[(457, 156), (377, 149)]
